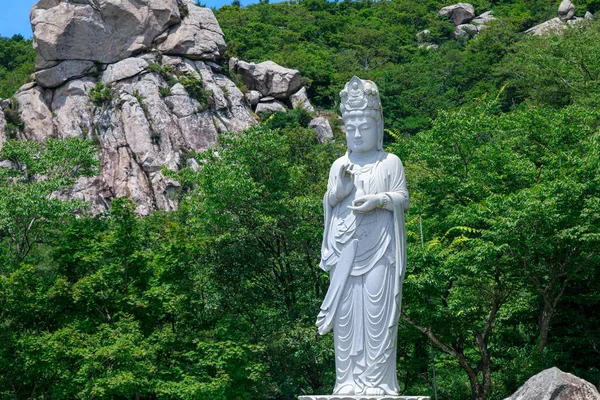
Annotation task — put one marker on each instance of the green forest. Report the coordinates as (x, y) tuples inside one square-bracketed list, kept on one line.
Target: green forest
[(500, 139)]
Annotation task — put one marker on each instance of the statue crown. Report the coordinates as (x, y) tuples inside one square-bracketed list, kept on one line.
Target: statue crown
[(360, 98)]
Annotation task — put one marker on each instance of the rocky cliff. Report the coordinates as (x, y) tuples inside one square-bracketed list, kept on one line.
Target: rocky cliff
[(144, 79)]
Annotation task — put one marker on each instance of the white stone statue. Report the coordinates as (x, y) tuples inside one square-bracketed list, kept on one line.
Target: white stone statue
[(364, 250)]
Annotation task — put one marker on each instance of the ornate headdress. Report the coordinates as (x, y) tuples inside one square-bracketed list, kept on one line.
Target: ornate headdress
[(361, 99)]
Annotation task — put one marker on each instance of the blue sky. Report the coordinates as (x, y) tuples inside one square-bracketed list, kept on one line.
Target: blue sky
[(14, 15)]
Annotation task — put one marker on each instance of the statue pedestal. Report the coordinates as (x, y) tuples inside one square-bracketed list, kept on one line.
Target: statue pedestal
[(343, 397)]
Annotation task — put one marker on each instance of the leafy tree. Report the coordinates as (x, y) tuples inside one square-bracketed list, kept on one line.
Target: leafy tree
[(28, 210), (17, 63), (556, 70), (256, 205), (507, 201)]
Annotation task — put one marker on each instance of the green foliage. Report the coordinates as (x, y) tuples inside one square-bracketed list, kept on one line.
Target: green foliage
[(506, 201), (14, 123), (28, 212), (292, 119), (239, 82), (255, 204), (17, 63), (167, 72), (141, 102), (183, 10), (329, 42), (101, 95), (164, 91), (121, 311), (193, 85), (557, 70)]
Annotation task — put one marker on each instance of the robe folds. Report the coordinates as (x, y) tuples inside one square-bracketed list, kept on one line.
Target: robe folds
[(365, 254)]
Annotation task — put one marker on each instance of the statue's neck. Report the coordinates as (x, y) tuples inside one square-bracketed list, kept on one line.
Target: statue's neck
[(364, 158)]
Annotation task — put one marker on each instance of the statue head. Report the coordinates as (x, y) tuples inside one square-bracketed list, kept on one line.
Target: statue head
[(360, 104)]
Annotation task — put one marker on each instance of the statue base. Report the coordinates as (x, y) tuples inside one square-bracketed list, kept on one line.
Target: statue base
[(344, 397)]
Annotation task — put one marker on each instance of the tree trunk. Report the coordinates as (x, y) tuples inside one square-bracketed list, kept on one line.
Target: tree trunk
[(545, 325)]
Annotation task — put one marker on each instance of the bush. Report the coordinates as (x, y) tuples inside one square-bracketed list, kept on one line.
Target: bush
[(101, 95), (298, 118), (183, 10), (167, 72), (14, 123), (193, 85), (164, 91)]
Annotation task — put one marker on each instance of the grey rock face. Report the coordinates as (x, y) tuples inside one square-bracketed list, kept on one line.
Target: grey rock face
[(237, 116), (270, 79), (460, 13), (272, 106), (253, 97), (214, 66), (60, 73), (232, 63), (124, 69), (142, 117), (553, 384), (141, 129), (552, 26), (180, 103), (197, 37), (323, 129), (575, 20), (566, 10), (104, 30), (71, 107), (484, 18), (300, 99), (468, 31), (34, 110)]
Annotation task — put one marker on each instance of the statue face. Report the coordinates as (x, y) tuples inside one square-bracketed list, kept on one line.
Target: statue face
[(361, 134)]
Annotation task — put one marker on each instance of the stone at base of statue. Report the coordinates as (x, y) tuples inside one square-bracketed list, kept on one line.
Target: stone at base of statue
[(345, 397)]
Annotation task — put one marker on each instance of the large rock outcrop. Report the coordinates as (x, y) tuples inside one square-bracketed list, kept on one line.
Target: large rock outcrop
[(146, 110), (300, 100), (153, 111), (198, 36), (98, 30), (463, 17), (553, 384), (460, 13), (323, 129), (556, 26), (566, 10), (144, 80), (270, 86), (269, 78)]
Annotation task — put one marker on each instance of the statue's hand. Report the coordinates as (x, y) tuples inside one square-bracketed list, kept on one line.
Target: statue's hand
[(344, 183), (367, 203)]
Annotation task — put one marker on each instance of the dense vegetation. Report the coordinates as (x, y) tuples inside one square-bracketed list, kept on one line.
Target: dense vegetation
[(501, 144), (329, 42), (17, 60)]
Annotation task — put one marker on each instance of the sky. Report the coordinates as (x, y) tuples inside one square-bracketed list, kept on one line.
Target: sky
[(14, 15)]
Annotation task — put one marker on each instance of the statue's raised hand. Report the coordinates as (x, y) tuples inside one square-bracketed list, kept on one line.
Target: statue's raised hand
[(344, 183)]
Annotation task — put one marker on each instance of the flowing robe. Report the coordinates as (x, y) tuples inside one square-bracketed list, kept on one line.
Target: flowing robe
[(365, 254)]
